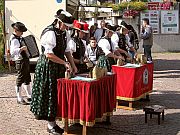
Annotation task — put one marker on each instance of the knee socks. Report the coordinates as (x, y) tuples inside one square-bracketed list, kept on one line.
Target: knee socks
[(18, 93), (28, 90), (51, 124)]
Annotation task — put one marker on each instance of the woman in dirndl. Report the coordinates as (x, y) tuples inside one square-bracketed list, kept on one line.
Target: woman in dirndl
[(78, 45), (50, 66)]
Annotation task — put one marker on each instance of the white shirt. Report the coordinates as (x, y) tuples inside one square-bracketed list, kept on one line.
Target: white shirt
[(48, 41), (115, 40), (15, 48), (91, 54), (106, 47), (128, 41), (72, 45)]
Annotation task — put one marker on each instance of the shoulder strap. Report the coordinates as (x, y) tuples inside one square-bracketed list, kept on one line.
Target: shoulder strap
[(99, 52), (18, 38), (79, 43), (11, 40), (100, 39), (75, 40), (120, 35), (109, 40), (48, 28)]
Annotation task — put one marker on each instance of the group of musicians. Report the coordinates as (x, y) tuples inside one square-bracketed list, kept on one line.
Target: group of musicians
[(61, 51)]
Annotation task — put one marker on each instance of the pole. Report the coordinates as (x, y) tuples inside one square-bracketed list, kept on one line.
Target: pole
[(4, 38), (2, 21)]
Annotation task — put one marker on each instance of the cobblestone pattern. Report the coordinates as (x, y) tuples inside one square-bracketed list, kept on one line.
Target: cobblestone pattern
[(18, 120)]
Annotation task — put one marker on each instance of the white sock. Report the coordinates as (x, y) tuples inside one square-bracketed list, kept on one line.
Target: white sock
[(28, 90), (51, 124), (18, 93)]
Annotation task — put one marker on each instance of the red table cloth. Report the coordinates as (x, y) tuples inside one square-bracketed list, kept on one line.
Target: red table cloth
[(84, 102), (133, 83)]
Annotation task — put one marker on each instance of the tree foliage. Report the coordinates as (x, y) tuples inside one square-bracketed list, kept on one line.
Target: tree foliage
[(1, 5), (136, 5)]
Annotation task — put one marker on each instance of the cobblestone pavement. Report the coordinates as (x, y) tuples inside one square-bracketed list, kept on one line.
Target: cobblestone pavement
[(18, 120)]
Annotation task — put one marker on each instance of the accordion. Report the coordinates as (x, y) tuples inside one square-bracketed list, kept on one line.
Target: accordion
[(31, 44)]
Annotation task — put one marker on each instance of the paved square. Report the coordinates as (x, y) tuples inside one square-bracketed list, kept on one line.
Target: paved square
[(18, 120)]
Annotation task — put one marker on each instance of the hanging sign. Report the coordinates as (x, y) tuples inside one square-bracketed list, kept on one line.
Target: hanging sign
[(170, 22)]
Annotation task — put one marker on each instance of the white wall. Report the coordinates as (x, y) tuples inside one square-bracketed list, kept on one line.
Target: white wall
[(35, 14)]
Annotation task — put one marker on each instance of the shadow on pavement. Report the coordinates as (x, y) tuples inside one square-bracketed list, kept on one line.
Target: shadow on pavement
[(166, 68), (163, 65), (168, 76), (134, 124), (170, 99), (5, 74), (3, 97)]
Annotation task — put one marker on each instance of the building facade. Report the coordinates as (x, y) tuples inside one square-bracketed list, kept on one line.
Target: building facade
[(166, 36)]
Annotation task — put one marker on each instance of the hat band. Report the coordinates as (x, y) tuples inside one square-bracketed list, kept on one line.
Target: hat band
[(65, 18), (80, 26)]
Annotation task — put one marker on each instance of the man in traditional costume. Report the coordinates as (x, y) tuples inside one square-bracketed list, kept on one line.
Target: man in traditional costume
[(51, 65), (121, 38), (19, 51), (108, 47), (93, 51)]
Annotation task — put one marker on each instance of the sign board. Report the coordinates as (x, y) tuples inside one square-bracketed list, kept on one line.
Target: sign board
[(159, 5), (170, 22), (153, 16)]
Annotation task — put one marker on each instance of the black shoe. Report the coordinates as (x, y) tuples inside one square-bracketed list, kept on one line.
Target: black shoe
[(22, 102), (29, 99), (56, 130)]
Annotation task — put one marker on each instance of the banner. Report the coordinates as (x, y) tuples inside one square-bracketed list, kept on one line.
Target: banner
[(170, 22)]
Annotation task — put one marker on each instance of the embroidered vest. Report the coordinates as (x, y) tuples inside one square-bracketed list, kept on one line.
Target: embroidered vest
[(110, 60), (20, 39), (61, 39), (122, 41), (94, 53), (109, 40), (80, 48)]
